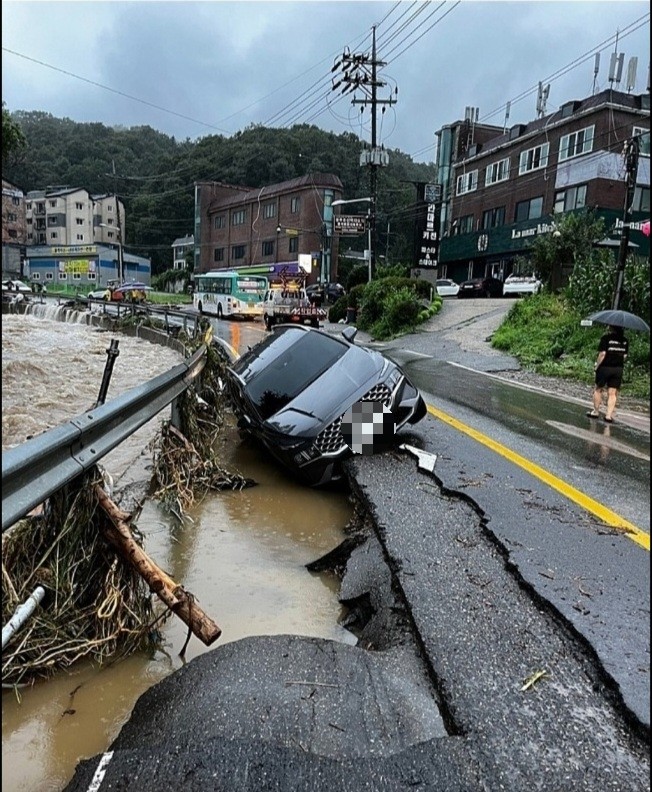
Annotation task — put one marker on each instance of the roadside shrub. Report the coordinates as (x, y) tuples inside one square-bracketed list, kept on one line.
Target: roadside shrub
[(350, 300), (400, 312), (358, 275)]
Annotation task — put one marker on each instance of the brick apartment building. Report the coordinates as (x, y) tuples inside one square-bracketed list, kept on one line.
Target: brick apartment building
[(501, 190), (243, 226)]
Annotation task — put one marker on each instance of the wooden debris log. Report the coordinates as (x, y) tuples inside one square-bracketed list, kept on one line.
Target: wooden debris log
[(179, 601)]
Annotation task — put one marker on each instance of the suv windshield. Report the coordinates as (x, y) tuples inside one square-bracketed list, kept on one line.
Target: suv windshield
[(285, 364)]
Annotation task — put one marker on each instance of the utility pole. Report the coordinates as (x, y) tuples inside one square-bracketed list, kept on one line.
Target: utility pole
[(360, 73), (121, 265), (630, 155)]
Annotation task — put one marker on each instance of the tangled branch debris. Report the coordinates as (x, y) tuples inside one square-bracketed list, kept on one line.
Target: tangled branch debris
[(96, 607), (186, 464)]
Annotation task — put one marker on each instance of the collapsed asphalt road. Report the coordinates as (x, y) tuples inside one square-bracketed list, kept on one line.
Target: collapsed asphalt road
[(441, 701), (467, 676)]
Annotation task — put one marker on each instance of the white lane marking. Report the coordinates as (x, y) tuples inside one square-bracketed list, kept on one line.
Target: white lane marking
[(100, 772)]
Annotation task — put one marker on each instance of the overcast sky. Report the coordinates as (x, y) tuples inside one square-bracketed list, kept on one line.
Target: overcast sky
[(190, 69)]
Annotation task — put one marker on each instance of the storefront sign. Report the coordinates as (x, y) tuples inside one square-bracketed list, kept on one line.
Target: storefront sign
[(71, 250), (79, 266)]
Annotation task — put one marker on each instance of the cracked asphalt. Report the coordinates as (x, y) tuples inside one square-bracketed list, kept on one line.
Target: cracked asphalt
[(486, 660)]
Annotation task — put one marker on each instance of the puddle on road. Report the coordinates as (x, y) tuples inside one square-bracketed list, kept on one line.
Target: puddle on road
[(243, 557)]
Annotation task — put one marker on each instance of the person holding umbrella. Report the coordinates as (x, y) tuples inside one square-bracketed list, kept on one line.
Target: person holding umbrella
[(612, 353)]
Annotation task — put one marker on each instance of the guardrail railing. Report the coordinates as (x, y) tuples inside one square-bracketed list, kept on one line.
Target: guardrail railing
[(36, 469)]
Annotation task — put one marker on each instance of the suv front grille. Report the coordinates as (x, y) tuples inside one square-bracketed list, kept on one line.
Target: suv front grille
[(330, 440)]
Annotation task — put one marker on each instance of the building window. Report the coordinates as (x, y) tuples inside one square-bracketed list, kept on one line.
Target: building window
[(52, 221), (28, 206), (63, 276), (492, 218), (80, 237), (79, 221), (237, 252), (464, 225), (53, 235), (269, 210), (109, 235), (12, 233), (467, 182), (91, 276), (11, 217), (529, 210), (268, 248), (15, 201), (533, 159), (35, 276), (569, 199), (218, 254), (219, 222), (238, 217), (641, 202), (497, 172), (576, 143), (643, 136), (293, 244), (53, 203), (79, 206), (49, 276), (295, 205), (76, 275)]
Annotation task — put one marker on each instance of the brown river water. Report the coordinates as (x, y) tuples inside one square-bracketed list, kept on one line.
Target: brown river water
[(242, 554)]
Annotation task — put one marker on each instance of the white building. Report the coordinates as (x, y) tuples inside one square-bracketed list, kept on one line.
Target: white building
[(71, 216), (180, 249)]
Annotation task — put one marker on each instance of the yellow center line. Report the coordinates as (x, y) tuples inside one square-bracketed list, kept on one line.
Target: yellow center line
[(599, 510)]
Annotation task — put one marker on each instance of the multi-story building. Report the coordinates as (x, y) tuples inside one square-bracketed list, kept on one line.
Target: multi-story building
[(180, 249), (71, 216), (14, 230), (507, 189), (238, 226)]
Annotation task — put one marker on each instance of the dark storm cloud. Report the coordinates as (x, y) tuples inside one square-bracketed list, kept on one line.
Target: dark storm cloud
[(229, 65)]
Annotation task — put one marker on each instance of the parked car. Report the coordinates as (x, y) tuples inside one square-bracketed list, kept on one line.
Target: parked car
[(318, 293), (291, 391), (522, 284), (481, 287), (15, 287), (100, 294), (447, 288)]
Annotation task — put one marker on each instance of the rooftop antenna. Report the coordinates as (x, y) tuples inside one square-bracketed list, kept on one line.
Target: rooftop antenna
[(631, 73), (507, 109), (616, 68), (542, 99), (596, 69)]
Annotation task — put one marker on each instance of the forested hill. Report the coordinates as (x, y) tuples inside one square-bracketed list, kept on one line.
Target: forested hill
[(155, 173)]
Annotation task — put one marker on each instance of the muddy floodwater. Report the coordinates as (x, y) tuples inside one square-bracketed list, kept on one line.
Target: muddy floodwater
[(242, 554)]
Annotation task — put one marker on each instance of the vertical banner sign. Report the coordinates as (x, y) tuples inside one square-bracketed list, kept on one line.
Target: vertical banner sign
[(427, 226)]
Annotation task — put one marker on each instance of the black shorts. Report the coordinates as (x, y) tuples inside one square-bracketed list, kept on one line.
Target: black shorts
[(609, 377)]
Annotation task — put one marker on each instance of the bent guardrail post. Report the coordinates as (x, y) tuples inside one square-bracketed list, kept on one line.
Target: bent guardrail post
[(112, 353), (36, 469)]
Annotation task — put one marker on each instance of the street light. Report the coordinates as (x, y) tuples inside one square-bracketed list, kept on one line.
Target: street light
[(370, 201), (121, 266)]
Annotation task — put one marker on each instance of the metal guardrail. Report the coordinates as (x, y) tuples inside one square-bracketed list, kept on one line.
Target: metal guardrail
[(36, 469)]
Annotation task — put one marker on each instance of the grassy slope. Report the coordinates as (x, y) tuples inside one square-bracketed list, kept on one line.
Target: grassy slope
[(547, 337)]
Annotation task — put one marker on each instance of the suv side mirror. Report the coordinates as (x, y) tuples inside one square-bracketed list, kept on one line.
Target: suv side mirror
[(350, 333)]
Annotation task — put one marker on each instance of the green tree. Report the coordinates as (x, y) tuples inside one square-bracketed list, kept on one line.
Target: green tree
[(13, 138)]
